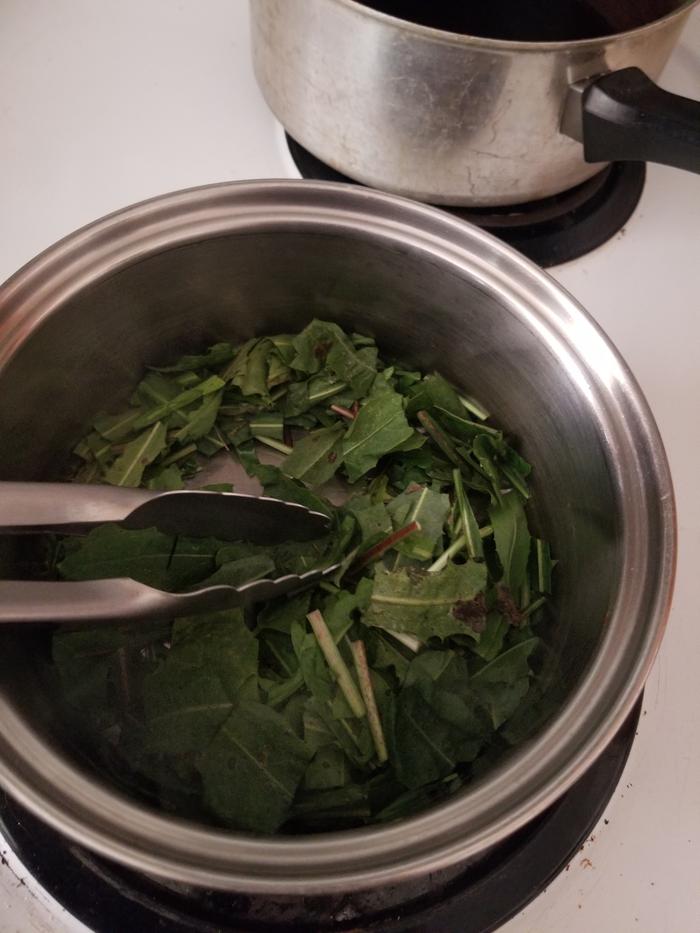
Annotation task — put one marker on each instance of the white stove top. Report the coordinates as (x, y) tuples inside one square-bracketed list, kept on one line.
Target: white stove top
[(103, 104)]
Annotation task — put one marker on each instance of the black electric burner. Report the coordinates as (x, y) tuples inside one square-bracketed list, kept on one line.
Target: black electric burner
[(477, 898), (551, 231)]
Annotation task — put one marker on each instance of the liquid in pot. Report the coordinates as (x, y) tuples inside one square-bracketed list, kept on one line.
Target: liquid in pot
[(528, 20)]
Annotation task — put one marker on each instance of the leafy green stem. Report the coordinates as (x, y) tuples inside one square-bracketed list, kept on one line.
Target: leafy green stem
[(327, 392), (439, 437), (409, 641), (544, 566), (335, 661), (179, 455), (474, 407), (275, 445), (533, 607), (359, 656), (474, 547), (441, 562)]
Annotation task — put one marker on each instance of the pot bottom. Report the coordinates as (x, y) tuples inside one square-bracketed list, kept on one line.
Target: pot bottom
[(550, 231), (476, 897)]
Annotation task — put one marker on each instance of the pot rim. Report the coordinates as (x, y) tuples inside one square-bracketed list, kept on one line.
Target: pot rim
[(514, 45), (537, 774)]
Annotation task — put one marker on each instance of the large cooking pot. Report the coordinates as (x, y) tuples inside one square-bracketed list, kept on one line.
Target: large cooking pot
[(79, 324), (475, 103)]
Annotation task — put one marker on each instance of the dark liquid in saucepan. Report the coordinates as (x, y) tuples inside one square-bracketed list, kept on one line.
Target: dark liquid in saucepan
[(528, 20)]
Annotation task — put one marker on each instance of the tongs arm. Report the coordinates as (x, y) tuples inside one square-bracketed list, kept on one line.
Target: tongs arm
[(65, 508), (75, 508), (124, 600)]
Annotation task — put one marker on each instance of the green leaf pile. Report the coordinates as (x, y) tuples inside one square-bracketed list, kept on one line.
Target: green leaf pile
[(366, 698)]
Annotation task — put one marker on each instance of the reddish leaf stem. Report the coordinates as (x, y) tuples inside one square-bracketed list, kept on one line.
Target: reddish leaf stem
[(365, 680), (343, 412), (335, 661), (379, 549)]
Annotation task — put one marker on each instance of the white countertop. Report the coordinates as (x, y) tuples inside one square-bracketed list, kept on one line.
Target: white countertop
[(105, 103)]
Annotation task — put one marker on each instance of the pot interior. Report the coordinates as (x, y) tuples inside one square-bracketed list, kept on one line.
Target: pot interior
[(86, 356), (529, 20)]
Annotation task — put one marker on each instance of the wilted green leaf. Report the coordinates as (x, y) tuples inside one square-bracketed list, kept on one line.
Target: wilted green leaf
[(427, 507), (213, 663), (214, 357), (322, 345), (248, 369), (433, 392), (238, 572), (328, 768), (280, 614), (372, 519), (147, 556), (502, 683), (252, 769), (512, 539), (166, 478), (242, 721), (179, 402), (316, 457), (127, 470), (424, 604), (378, 428), (200, 421)]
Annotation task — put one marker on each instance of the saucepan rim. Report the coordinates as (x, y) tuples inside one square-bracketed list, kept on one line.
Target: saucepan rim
[(515, 45)]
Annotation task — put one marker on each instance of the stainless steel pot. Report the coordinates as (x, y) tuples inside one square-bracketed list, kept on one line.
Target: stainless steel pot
[(80, 322), (456, 119)]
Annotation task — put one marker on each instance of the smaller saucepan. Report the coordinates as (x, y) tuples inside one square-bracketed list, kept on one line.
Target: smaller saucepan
[(476, 104)]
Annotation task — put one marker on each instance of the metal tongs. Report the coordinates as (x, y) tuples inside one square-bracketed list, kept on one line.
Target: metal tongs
[(73, 508)]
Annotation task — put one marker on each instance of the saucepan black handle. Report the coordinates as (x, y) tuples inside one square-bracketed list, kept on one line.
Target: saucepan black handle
[(628, 118)]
